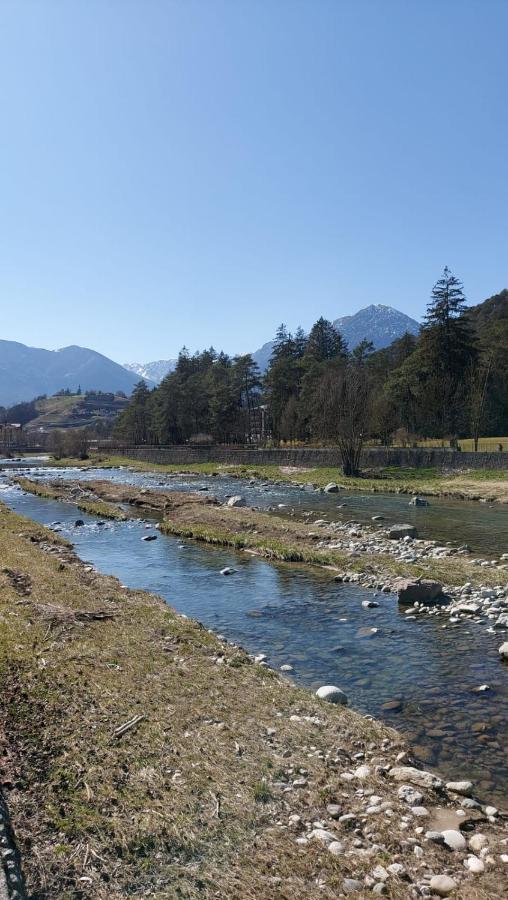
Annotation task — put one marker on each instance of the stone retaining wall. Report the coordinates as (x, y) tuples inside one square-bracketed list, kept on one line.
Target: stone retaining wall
[(372, 457)]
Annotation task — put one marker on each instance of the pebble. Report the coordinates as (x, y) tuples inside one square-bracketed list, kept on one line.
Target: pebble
[(336, 848), (419, 811), (409, 794), (349, 885), (460, 787), (477, 842), (228, 570), (475, 865), (334, 810), (434, 836), (442, 885), (454, 839)]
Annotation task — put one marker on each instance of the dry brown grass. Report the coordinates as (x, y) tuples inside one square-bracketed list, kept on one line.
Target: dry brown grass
[(191, 801)]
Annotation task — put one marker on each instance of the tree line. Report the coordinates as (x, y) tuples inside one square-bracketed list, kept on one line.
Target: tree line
[(445, 383)]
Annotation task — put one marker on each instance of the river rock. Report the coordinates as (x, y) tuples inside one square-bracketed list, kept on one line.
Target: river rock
[(235, 501), (331, 694), (503, 650), (332, 488), (442, 885), (409, 794), (460, 787), (478, 841), (149, 537), (350, 885), (78, 523), (418, 501), (415, 776), (397, 532), (454, 839), (474, 864), (417, 590), (228, 571)]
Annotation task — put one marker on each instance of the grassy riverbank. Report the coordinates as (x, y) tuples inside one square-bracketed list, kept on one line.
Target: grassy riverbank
[(93, 507), (490, 485), (144, 757)]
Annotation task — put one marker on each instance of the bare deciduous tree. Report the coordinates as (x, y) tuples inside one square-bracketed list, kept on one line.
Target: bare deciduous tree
[(478, 379), (353, 415)]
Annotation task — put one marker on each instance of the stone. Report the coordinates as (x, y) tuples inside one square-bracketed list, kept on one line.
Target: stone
[(396, 869), (227, 571), (475, 865), (460, 787), (332, 694), (336, 848), (503, 650), (380, 888), (362, 772), (350, 885), (435, 836), (417, 590), (321, 834), (418, 501), (415, 776), (331, 488), (419, 811), (409, 794), (478, 841), (398, 532), (369, 604), (454, 839), (334, 810), (78, 523), (149, 537), (442, 885), (235, 501), (286, 668)]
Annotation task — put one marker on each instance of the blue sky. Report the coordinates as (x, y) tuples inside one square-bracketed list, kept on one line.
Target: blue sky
[(198, 171)]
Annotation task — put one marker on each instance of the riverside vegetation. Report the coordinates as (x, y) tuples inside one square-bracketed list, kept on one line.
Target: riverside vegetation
[(143, 755), (451, 381)]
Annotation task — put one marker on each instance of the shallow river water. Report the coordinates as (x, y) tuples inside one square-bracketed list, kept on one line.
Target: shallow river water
[(483, 526), (414, 674)]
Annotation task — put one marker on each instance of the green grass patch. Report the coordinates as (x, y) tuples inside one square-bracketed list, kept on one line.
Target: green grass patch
[(99, 508)]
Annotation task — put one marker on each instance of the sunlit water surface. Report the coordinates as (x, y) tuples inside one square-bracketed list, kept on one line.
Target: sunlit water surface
[(305, 619)]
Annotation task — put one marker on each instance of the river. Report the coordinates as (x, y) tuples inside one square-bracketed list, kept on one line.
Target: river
[(416, 674)]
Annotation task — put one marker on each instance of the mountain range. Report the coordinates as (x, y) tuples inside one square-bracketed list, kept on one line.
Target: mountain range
[(28, 372), (152, 371), (377, 323)]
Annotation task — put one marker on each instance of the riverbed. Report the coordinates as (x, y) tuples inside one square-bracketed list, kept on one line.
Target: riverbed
[(417, 674), (481, 526)]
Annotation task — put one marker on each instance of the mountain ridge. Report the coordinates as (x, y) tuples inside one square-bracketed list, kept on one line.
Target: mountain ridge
[(27, 372)]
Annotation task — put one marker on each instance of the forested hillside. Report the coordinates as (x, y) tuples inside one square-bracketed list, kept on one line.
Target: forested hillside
[(449, 381)]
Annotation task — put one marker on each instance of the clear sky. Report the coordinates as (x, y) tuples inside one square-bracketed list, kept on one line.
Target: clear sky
[(197, 171)]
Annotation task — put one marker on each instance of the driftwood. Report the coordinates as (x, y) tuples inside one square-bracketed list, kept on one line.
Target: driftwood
[(122, 729)]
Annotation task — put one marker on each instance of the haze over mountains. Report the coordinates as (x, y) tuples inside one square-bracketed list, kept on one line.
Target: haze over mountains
[(28, 372)]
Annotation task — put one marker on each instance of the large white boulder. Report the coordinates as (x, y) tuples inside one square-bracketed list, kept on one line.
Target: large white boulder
[(331, 694)]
